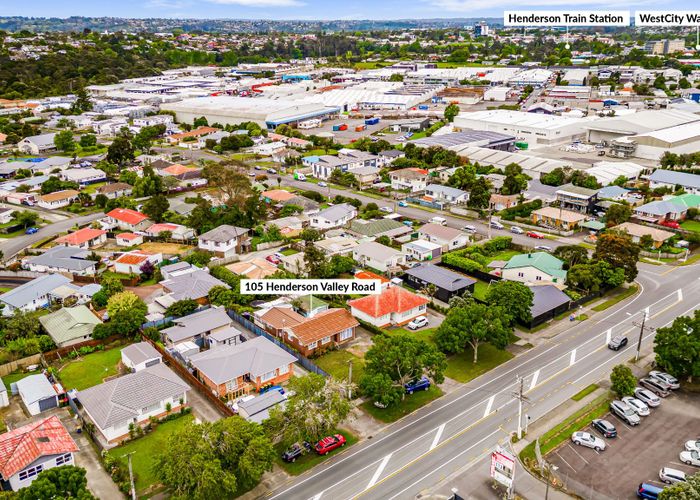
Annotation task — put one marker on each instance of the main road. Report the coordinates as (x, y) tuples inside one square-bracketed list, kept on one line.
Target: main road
[(461, 428)]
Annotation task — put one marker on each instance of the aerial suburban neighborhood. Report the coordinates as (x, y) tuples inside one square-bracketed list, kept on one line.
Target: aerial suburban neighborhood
[(244, 255)]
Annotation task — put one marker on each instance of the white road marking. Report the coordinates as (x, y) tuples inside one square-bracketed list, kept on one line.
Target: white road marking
[(533, 382), (379, 471), (567, 463), (680, 294), (317, 496), (572, 360), (437, 437), (577, 453), (489, 404), (608, 336)]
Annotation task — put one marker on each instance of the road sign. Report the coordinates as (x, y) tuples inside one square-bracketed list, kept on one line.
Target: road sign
[(502, 466)]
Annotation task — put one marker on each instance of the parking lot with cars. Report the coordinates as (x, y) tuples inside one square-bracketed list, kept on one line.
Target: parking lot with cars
[(632, 454)]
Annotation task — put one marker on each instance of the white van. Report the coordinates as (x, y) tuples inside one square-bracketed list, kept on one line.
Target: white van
[(439, 220)]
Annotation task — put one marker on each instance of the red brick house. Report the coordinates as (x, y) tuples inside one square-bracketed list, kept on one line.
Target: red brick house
[(327, 329)]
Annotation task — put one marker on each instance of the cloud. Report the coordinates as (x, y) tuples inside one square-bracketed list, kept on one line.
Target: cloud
[(260, 3), (167, 4), (481, 5)]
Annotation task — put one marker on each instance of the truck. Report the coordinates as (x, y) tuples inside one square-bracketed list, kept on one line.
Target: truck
[(299, 176), (360, 128), (372, 121)]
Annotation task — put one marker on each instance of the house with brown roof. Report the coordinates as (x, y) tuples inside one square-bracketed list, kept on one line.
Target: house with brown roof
[(447, 237), (394, 306), (193, 134), (637, 232), (558, 218), (58, 199), (275, 319), (131, 262), (115, 190), (276, 196), (181, 172), (499, 202), (254, 268), (325, 330), (86, 237)]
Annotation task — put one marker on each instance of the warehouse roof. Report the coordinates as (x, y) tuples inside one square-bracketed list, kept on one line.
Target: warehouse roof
[(521, 118), (643, 121), (681, 178), (466, 137)]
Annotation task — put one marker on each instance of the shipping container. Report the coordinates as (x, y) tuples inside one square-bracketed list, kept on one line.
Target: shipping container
[(372, 121), (360, 128)]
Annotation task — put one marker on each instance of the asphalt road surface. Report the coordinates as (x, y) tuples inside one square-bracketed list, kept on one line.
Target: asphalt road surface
[(460, 429)]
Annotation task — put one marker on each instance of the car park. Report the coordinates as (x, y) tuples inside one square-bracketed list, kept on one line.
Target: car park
[(639, 407), (516, 230), (422, 384), (655, 386), (606, 428), (648, 491), (693, 444), (666, 378), (624, 412), (588, 440), (543, 248), (295, 451), (690, 457), (617, 343), (469, 229), (386, 210), (418, 322), (533, 234), (671, 476), (647, 397), (329, 443)]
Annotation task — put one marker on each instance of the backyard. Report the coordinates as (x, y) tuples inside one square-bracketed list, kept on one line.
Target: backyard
[(691, 225), (89, 370)]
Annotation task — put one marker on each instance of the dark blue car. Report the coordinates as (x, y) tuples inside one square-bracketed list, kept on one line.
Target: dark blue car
[(279, 388), (31, 230), (423, 384)]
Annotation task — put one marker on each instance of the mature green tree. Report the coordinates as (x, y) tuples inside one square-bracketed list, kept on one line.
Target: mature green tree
[(617, 214), (316, 409), (480, 193), (677, 347), (686, 490), (618, 250), (472, 325), (571, 255), (395, 360), (199, 258), (82, 102), (88, 141), (514, 298), (623, 381), (515, 181), (231, 180), (63, 141), (25, 218), (64, 482), (451, 111), (53, 184), (156, 207), (120, 152), (316, 264), (310, 235), (127, 312), (182, 308), (463, 177), (21, 324)]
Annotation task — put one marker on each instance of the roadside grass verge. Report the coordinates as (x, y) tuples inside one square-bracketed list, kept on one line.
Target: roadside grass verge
[(584, 392), (617, 298), (312, 459), (410, 404), (461, 368)]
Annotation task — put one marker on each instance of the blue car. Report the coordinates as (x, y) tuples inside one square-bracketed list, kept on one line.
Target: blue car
[(648, 491), (403, 204), (272, 388), (31, 230), (423, 384)]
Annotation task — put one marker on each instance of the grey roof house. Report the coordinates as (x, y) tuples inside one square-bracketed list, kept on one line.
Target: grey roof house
[(140, 355), (33, 295), (258, 408), (448, 283), (548, 302), (194, 285), (62, 259), (668, 178), (37, 393), (225, 240), (446, 194), (332, 217), (36, 144), (196, 326)]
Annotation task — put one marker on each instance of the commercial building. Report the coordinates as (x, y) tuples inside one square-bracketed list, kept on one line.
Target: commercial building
[(459, 141), (660, 47), (679, 140), (609, 129)]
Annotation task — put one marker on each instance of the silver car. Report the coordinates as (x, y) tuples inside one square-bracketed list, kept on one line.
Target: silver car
[(666, 378), (589, 440), (625, 412), (516, 230), (639, 407), (690, 458), (648, 397), (693, 444), (671, 476)]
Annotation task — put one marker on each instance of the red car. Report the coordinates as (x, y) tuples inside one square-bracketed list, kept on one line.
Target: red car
[(329, 443), (670, 223), (535, 235), (272, 259)]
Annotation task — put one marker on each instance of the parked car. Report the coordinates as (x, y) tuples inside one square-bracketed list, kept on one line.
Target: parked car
[(606, 428), (422, 384), (329, 443), (272, 259), (639, 407), (670, 223), (666, 378), (252, 174), (31, 230), (589, 440), (655, 386), (295, 451), (386, 210), (271, 171), (403, 204), (272, 388), (322, 184), (693, 444), (690, 457), (648, 491), (496, 225), (418, 322), (533, 234), (624, 412), (671, 476), (469, 228), (516, 230), (543, 248), (648, 397), (617, 343), (234, 405)]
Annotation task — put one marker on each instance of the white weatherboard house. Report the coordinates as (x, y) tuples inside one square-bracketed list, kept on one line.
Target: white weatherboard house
[(332, 217), (33, 295), (225, 240), (140, 355), (377, 256), (37, 144)]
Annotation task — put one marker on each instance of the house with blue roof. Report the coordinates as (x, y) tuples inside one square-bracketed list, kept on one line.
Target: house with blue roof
[(537, 267)]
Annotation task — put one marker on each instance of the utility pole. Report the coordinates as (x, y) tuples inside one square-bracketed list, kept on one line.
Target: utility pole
[(642, 328), (520, 397), (131, 477), (350, 379)]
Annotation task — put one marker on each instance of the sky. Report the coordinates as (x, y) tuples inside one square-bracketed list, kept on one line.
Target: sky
[(311, 9)]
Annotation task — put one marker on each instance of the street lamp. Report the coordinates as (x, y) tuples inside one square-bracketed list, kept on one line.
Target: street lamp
[(549, 468)]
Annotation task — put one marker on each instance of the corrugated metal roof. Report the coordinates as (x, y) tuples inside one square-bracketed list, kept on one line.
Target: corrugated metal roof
[(33, 290)]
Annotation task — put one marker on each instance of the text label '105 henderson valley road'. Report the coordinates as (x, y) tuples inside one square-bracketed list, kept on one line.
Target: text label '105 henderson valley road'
[(304, 287)]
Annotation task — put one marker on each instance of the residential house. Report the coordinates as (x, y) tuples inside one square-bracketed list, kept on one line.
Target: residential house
[(447, 283), (366, 176), (548, 301), (337, 245), (254, 268), (258, 409), (110, 127), (289, 226), (672, 208), (126, 219), (577, 199), (177, 231), (233, 370), (558, 218), (637, 232), (394, 306), (615, 193), (326, 330), (690, 183), (132, 262), (193, 283), (275, 319), (70, 325), (389, 156), (133, 399), (375, 228), (499, 202), (535, 268), (411, 179), (276, 196), (37, 393), (83, 176), (4, 399), (31, 296), (332, 217), (128, 239), (449, 238), (37, 144), (294, 263), (62, 260), (6, 215), (323, 166), (309, 306), (421, 250), (115, 190), (58, 199), (225, 241), (269, 148), (197, 327), (28, 450), (140, 355), (377, 256), (48, 165), (181, 172), (191, 136), (85, 238), (446, 195)]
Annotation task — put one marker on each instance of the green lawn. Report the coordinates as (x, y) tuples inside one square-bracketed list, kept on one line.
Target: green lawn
[(480, 290), (426, 334), (92, 188), (336, 364), (289, 251), (90, 370), (112, 274), (320, 152), (617, 298), (143, 450), (461, 367), (691, 225), (505, 255), (309, 460), (584, 392), (410, 404)]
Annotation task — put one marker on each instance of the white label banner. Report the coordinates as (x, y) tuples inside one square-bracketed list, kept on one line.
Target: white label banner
[(561, 18), (667, 18), (315, 287)]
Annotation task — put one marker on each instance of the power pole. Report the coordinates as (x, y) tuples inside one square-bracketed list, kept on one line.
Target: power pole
[(642, 328), (350, 379), (131, 477), (520, 397)]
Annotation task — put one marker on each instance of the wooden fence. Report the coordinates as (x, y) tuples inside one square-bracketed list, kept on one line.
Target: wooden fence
[(15, 365)]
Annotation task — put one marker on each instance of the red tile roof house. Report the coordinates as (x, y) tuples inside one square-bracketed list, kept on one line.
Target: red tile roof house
[(131, 262), (394, 306), (83, 238), (128, 239), (328, 329), (275, 319), (126, 219), (177, 231), (32, 448)]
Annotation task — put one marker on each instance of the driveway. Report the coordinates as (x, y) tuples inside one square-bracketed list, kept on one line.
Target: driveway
[(202, 409)]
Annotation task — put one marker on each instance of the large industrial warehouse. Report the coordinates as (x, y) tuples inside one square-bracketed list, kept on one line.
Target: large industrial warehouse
[(680, 139), (608, 129)]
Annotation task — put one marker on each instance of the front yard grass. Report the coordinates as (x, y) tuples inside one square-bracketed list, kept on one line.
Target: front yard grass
[(616, 298), (336, 364), (143, 450), (691, 225), (410, 404), (311, 459), (461, 367), (480, 290), (90, 370)]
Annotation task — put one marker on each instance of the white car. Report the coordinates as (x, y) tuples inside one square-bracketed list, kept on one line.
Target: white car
[(234, 405), (690, 457), (666, 378), (693, 444), (418, 322), (516, 230), (322, 184), (589, 440), (638, 406), (671, 476), (647, 397), (386, 210), (469, 229), (543, 248)]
